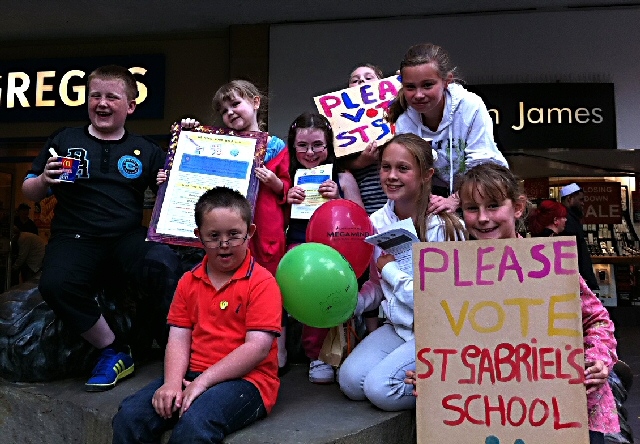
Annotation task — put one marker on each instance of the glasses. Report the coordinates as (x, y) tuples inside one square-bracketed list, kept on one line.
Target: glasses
[(216, 242), (316, 147)]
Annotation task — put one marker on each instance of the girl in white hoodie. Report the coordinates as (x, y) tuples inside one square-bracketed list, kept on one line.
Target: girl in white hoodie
[(432, 105), (375, 370)]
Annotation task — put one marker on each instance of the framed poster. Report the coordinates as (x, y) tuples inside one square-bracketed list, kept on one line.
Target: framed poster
[(199, 159)]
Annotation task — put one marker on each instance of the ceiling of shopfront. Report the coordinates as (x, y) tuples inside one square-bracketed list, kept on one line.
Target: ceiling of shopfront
[(68, 19), (35, 20)]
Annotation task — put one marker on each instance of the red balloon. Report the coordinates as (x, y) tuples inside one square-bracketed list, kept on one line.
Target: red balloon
[(343, 225)]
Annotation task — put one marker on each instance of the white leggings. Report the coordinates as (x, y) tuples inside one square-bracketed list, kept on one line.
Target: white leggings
[(375, 370)]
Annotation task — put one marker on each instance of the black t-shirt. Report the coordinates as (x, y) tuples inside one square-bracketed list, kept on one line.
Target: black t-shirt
[(106, 198)]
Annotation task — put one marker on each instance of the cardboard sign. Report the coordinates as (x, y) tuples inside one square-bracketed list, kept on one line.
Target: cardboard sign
[(602, 202), (357, 114), (499, 345)]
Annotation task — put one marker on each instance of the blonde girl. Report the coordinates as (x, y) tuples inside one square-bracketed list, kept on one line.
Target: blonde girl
[(375, 370)]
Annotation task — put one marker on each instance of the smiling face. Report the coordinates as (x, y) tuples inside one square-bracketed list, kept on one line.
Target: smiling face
[(240, 114), (109, 107), (400, 175), (362, 75), (489, 218), (423, 89), (309, 137), (222, 224)]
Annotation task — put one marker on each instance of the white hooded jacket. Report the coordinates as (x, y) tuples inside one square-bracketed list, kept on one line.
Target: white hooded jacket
[(393, 288), (465, 135)]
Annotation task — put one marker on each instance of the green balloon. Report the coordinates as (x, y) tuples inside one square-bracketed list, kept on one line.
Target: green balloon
[(319, 287)]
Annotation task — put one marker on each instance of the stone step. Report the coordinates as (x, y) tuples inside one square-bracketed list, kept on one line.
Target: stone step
[(62, 412)]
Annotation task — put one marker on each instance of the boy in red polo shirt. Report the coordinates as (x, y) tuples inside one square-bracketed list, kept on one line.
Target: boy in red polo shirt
[(221, 367)]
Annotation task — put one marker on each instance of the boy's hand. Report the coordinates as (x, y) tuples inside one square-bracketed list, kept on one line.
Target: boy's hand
[(295, 195), (189, 123), (52, 171), (595, 375), (166, 400), (193, 389), (383, 260), (329, 190), (161, 177)]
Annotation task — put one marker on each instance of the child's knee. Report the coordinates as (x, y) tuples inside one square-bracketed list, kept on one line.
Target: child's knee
[(388, 392), (351, 377)]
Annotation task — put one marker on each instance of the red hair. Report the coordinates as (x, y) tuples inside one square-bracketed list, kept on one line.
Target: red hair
[(543, 216)]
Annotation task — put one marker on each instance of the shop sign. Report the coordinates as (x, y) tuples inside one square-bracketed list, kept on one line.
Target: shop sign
[(55, 89), (551, 115), (602, 202)]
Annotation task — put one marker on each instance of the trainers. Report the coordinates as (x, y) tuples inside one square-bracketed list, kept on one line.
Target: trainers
[(321, 373), (111, 367)]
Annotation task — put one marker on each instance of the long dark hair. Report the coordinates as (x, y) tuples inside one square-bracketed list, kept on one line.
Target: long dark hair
[(314, 121)]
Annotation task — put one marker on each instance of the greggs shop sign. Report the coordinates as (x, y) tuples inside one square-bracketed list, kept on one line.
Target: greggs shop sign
[(55, 89), (551, 115)]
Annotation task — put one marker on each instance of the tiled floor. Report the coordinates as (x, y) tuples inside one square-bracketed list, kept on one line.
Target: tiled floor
[(629, 351)]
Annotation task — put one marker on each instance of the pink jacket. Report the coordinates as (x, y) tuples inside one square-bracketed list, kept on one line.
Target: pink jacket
[(599, 343)]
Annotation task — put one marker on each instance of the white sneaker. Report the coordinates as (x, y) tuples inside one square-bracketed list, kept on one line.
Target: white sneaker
[(321, 373)]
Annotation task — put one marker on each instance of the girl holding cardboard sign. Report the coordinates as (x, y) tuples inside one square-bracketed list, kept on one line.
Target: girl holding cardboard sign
[(432, 104), (491, 204)]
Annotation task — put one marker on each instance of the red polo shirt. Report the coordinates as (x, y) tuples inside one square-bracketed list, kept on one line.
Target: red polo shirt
[(220, 319)]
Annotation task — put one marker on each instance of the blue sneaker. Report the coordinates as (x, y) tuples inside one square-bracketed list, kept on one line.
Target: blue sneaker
[(111, 367)]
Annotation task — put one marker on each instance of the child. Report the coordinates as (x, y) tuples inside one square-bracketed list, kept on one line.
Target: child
[(310, 143), (491, 202), (432, 104), (220, 371), (364, 167), (548, 219), (98, 221), (375, 369), (240, 104)]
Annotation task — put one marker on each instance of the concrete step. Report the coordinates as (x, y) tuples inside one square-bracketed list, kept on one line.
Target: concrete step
[(62, 412)]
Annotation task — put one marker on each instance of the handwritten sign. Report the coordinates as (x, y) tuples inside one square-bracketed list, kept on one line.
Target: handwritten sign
[(500, 355), (356, 114)]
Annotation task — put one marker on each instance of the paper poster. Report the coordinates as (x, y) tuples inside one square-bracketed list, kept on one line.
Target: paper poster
[(499, 347), (198, 160), (356, 114), (310, 180)]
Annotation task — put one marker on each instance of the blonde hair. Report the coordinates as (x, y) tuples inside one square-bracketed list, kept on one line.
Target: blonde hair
[(421, 151), (245, 90)]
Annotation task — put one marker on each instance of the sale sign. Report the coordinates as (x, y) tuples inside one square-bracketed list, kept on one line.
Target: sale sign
[(356, 114), (602, 202), (499, 345)]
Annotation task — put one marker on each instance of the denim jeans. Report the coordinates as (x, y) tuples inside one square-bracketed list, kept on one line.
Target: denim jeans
[(375, 370), (221, 410)]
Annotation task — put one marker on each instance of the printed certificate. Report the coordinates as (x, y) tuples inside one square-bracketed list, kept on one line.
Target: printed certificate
[(310, 180), (200, 159)]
